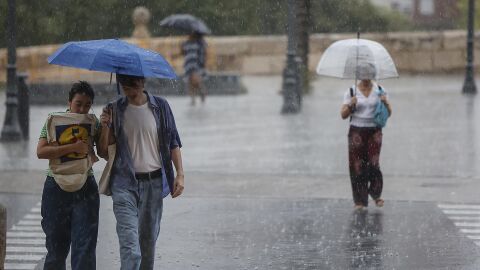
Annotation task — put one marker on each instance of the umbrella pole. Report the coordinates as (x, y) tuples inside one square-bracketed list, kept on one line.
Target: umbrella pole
[(356, 64), (118, 85)]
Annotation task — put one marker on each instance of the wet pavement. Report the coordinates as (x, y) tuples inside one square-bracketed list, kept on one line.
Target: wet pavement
[(246, 233), (268, 191)]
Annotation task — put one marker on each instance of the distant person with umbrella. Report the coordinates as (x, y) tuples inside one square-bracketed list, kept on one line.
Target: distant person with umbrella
[(142, 127), (364, 137), (194, 50), (367, 105)]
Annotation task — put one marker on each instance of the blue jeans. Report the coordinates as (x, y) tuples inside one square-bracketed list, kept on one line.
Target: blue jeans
[(70, 218), (138, 215)]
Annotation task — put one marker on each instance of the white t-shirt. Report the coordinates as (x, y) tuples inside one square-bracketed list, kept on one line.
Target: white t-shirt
[(141, 131), (365, 108)]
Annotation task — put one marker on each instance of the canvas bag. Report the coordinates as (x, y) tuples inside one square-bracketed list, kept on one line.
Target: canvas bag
[(71, 171), (104, 183), (381, 112)]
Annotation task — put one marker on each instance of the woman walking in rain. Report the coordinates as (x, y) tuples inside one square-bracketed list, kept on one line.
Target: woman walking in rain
[(364, 137), (194, 51)]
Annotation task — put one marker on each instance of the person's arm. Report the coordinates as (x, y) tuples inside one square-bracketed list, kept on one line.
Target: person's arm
[(179, 183), (347, 109), (106, 136), (53, 151)]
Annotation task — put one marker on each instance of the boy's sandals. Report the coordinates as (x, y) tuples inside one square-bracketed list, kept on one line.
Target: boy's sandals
[(379, 202)]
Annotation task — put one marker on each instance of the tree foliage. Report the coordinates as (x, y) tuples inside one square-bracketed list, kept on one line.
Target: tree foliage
[(463, 8), (58, 21)]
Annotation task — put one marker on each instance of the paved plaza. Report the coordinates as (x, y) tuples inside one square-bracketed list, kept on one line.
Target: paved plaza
[(271, 191)]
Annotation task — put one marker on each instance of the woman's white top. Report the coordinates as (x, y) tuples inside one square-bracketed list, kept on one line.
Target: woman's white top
[(365, 108), (141, 131)]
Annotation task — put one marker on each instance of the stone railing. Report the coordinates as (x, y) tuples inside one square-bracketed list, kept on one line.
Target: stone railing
[(413, 52)]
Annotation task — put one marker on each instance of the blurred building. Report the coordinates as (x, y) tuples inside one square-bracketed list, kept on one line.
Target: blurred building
[(402, 6), (430, 14)]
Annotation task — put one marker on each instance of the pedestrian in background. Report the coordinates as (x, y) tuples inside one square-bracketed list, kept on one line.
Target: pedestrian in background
[(364, 137), (70, 218), (195, 53), (147, 142)]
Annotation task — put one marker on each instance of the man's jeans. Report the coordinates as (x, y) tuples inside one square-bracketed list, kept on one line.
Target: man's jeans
[(70, 218), (138, 223)]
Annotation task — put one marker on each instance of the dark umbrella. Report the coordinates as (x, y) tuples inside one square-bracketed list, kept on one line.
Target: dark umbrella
[(186, 22)]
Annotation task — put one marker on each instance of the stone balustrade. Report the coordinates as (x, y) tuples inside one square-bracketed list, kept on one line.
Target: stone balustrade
[(413, 52)]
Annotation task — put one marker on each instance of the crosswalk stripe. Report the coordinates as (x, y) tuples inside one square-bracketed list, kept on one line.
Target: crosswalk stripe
[(29, 222), (474, 237), (20, 266), (26, 234), (461, 212), (477, 243), (467, 224), (28, 250), (23, 257), (36, 210), (27, 228), (470, 230), (32, 216), (464, 218), (459, 206), (19, 241)]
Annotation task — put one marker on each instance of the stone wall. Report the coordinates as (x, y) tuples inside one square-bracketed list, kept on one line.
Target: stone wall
[(413, 52)]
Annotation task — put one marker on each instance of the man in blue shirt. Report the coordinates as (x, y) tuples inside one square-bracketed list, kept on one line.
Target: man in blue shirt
[(147, 143)]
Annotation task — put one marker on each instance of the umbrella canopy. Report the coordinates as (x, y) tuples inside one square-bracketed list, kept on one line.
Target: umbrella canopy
[(343, 59), (187, 23), (114, 56)]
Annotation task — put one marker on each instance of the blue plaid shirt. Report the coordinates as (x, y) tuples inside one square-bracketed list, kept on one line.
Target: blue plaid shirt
[(123, 172)]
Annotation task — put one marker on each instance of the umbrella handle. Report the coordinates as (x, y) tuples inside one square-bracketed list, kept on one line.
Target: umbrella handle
[(351, 95), (118, 84)]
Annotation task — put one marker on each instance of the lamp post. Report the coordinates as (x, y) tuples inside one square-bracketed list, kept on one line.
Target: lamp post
[(291, 87), (11, 128), (469, 86)]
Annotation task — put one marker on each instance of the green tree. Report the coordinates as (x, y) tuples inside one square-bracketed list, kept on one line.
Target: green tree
[(58, 21), (463, 8), (350, 16)]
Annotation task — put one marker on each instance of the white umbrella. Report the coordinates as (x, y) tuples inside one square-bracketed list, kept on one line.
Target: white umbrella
[(342, 59)]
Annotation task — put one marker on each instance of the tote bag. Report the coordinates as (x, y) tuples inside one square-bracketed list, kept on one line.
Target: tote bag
[(104, 183), (71, 171)]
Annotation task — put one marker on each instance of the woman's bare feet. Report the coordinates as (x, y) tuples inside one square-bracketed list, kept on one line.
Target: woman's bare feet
[(379, 202), (359, 207)]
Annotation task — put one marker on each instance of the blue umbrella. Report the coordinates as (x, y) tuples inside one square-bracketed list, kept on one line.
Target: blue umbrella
[(114, 56)]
